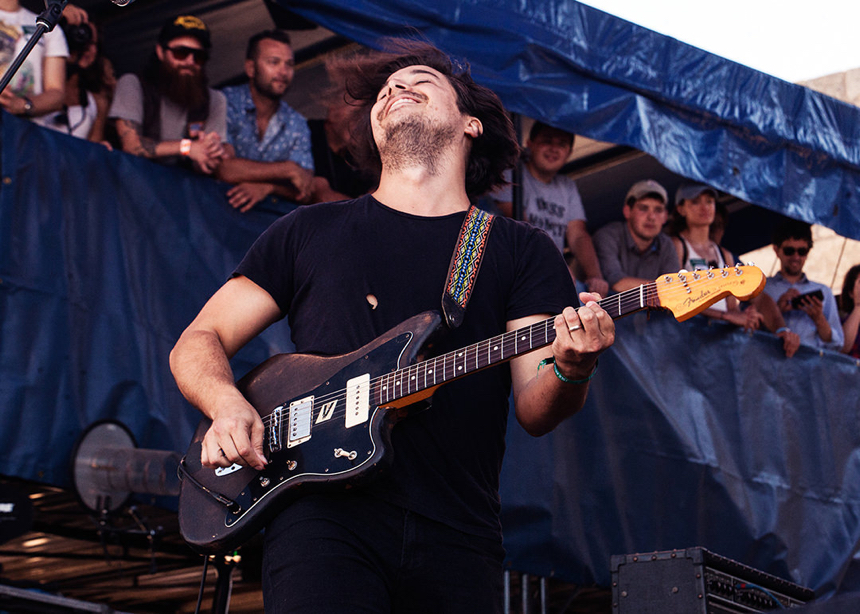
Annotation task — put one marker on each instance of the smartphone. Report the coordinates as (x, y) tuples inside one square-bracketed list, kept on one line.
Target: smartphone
[(795, 302)]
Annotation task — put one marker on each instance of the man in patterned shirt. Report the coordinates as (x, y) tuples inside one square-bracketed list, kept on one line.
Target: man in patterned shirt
[(270, 140)]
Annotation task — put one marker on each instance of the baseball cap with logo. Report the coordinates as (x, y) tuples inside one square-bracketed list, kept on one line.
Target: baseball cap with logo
[(646, 187), (185, 25)]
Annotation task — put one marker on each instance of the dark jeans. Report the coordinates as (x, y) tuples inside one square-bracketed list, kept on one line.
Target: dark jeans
[(332, 554)]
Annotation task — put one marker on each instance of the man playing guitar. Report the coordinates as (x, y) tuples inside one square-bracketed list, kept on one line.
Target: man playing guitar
[(424, 536)]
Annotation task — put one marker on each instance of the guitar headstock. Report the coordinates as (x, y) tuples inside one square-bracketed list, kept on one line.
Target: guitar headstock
[(687, 293)]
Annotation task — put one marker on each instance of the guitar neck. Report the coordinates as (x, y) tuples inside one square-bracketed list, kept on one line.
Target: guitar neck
[(453, 365)]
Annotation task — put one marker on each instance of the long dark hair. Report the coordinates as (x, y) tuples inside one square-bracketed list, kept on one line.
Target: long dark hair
[(846, 299), (364, 75)]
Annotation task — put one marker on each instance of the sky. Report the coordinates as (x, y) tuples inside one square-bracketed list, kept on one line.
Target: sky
[(794, 40)]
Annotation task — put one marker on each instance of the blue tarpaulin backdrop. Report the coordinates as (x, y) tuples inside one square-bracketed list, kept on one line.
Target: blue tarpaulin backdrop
[(761, 139), (104, 259), (692, 435)]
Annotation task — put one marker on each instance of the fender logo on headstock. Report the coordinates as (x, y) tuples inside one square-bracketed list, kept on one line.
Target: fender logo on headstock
[(705, 294), (687, 294)]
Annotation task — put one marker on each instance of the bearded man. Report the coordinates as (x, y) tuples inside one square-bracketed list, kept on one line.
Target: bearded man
[(425, 535), (168, 113), (269, 142)]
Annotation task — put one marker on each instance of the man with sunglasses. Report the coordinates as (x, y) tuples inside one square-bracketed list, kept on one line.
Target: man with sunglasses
[(168, 112), (808, 307)]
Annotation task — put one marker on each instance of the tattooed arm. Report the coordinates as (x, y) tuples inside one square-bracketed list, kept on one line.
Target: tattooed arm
[(206, 151), (132, 141)]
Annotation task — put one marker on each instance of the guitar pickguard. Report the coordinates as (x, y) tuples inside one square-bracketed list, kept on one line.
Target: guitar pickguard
[(329, 437)]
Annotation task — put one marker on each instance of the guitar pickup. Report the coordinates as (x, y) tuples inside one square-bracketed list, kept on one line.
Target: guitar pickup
[(357, 400), (301, 414)]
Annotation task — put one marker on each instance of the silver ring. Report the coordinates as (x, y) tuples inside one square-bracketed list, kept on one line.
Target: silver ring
[(574, 327)]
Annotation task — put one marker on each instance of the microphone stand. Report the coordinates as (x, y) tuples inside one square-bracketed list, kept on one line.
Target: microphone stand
[(45, 22)]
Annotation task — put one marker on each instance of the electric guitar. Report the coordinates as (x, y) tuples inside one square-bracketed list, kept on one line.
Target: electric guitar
[(328, 419)]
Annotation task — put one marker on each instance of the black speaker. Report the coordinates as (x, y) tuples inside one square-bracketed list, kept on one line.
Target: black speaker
[(696, 581)]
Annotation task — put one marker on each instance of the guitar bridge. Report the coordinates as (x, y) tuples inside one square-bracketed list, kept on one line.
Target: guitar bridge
[(277, 417)]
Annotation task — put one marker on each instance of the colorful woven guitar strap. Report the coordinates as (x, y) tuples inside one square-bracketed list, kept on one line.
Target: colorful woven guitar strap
[(465, 264)]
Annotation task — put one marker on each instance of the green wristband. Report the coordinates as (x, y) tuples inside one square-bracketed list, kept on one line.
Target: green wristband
[(545, 362), (567, 380)]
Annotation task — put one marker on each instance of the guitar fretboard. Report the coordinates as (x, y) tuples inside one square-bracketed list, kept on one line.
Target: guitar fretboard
[(504, 347)]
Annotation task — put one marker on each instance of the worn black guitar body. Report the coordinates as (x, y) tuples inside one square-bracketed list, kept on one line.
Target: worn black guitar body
[(221, 509), (328, 420)]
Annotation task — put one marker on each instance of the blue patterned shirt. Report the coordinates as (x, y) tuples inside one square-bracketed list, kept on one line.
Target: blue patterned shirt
[(287, 136)]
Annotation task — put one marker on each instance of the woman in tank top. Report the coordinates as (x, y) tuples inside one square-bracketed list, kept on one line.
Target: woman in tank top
[(693, 220), (697, 229)]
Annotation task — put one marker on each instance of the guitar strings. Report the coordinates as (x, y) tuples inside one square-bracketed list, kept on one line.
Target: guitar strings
[(633, 298), (641, 297), (624, 300)]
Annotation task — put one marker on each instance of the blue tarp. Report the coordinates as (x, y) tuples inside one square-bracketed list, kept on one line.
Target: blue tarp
[(693, 435), (759, 138), (104, 259)]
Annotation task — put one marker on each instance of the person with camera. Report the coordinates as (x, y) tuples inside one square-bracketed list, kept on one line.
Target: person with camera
[(89, 84), (37, 87), (809, 308)]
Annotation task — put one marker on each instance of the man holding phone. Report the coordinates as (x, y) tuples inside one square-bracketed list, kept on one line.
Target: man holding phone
[(808, 307)]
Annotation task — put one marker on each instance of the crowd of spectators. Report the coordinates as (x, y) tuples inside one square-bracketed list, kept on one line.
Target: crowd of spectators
[(248, 136), (659, 236), (245, 135)]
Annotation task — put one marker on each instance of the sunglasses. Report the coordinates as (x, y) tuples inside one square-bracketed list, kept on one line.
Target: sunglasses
[(789, 251), (182, 52)]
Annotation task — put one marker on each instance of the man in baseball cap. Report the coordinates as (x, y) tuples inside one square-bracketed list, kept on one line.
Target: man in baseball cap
[(185, 25), (168, 112), (636, 251)]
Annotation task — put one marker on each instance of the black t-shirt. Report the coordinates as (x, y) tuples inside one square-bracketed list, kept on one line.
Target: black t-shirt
[(321, 263)]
